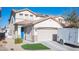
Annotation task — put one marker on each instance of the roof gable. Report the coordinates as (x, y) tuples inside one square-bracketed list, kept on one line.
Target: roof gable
[(47, 18), (17, 11), (36, 14), (48, 22)]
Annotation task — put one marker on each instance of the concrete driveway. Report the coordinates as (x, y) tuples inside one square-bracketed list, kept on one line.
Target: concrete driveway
[(3, 49), (55, 46)]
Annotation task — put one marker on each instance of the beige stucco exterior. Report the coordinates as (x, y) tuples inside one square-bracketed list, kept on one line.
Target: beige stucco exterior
[(41, 31), (18, 17), (48, 23), (44, 31)]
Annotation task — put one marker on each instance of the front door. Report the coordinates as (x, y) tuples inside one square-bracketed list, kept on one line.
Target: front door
[(22, 32)]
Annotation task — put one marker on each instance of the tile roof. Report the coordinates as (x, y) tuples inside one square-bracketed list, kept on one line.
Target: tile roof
[(24, 22), (37, 14), (28, 22)]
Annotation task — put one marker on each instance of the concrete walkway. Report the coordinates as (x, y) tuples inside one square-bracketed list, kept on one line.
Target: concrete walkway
[(12, 46)]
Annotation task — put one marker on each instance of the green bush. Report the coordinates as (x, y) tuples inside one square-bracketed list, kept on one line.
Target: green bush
[(18, 40)]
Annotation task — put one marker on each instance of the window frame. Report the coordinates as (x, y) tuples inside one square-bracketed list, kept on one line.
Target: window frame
[(21, 14), (31, 15), (26, 14)]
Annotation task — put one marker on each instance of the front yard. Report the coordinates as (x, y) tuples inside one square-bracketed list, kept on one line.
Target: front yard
[(36, 46)]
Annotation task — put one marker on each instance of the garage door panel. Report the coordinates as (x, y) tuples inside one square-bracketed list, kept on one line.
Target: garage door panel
[(45, 34)]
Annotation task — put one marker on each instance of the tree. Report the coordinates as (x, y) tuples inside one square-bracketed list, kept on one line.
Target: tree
[(72, 18)]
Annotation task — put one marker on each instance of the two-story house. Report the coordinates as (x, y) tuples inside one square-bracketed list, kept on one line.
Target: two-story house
[(34, 27)]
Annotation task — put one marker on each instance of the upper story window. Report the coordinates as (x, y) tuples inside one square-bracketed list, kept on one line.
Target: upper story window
[(21, 14), (31, 15), (26, 14)]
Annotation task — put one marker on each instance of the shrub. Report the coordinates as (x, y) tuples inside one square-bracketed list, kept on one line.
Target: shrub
[(18, 41)]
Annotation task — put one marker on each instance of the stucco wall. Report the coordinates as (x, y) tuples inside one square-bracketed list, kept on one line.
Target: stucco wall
[(19, 17), (48, 23)]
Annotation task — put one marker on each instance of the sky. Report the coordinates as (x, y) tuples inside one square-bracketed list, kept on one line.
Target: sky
[(58, 11)]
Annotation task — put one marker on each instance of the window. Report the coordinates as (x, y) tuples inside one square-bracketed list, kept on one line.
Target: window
[(26, 14), (31, 15), (21, 14)]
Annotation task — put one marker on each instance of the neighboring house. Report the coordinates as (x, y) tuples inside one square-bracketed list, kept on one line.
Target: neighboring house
[(2, 30), (2, 34), (33, 27), (9, 31)]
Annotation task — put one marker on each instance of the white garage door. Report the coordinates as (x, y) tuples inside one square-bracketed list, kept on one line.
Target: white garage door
[(45, 34)]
